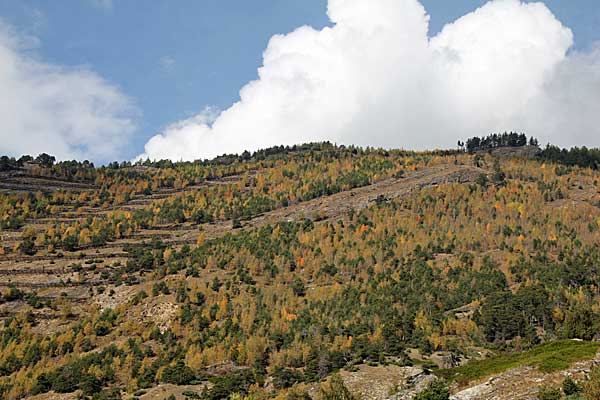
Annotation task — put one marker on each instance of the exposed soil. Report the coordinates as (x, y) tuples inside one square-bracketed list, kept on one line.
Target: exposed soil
[(523, 383), (339, 204)]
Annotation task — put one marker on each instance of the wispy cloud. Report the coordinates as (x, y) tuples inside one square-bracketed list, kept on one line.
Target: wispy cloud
[(167, 63), (38, 20), (71, 112)]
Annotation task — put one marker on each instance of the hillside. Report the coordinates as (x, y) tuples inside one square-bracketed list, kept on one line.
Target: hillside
[(268, 274)]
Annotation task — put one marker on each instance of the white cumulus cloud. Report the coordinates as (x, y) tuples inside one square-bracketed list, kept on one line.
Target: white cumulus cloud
[(67, 112), (376, 78)]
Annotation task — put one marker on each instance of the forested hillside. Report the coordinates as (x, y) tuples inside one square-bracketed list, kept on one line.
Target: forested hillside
[(263, 275)]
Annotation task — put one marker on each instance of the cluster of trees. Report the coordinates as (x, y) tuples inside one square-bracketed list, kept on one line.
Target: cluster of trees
[(10, 163), (324, 149), (505, 315), (576, 156), (497, 140), (89, 232)]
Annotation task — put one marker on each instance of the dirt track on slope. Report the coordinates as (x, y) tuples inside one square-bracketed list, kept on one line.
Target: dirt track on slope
[(49, 274), (339, 204), (26, 269)]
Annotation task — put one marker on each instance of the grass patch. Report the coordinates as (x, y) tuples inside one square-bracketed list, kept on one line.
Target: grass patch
[(550, 357)]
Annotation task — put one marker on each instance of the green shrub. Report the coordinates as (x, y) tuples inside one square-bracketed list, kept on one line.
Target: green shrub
[(178, 374), (570, 387), (234, 382), (436, 390), (190, 394), (285, 378), (549, 394), (108, 394)]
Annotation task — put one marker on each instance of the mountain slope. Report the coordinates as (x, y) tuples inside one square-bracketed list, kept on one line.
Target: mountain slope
[(267, 273)]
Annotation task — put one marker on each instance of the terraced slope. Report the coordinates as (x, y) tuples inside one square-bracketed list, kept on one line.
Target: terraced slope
[(52, 272), (268, 273)]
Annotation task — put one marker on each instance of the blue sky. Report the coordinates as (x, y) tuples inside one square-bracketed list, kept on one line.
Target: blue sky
[(173, 58)]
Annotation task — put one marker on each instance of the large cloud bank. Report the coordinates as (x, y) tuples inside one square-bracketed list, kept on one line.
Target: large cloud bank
[(376, 78), (67, 112)]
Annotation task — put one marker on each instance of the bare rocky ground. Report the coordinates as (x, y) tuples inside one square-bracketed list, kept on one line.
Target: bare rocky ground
[(163, 391), (339, 204), (402, 383), (389, 382), (160, 392), (55, 396), (523, 383)]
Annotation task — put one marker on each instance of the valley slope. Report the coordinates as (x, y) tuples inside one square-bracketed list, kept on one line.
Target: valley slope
[(265, 274)]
